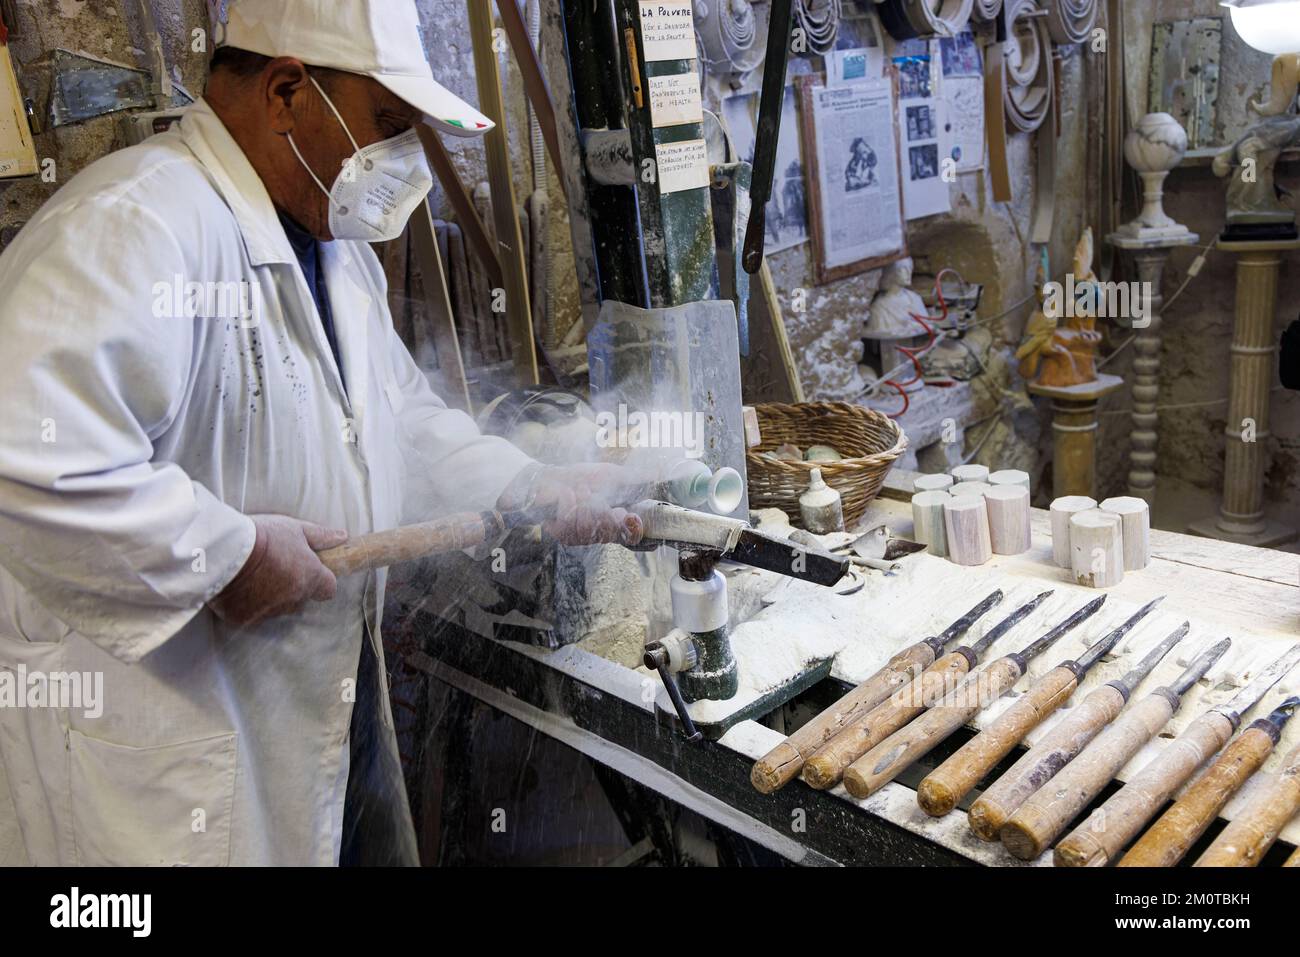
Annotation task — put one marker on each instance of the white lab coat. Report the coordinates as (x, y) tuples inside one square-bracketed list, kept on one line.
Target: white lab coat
[(132, 448)]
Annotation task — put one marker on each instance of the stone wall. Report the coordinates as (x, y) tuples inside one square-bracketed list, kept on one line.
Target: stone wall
[(109, 29)]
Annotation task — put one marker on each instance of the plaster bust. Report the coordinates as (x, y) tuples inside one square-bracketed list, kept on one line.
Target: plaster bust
[(895, 304)]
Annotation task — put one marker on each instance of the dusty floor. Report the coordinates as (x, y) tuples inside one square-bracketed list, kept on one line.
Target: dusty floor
[(1178, 504)]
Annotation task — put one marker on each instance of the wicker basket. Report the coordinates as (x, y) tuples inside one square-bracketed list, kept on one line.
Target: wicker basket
[(869, 441)]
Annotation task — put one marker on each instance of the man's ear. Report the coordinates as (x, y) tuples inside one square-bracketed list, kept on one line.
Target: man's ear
[(283, 84)]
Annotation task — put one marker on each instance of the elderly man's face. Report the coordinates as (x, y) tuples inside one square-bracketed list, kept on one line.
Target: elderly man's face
[(370, 111), (282, 101)]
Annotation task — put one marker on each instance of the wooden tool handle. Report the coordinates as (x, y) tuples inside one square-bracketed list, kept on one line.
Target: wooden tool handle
[(1183, 824), (783, 763), (827, 765), (1108, 830), (1041, 763), (890, 757), (951, 781), (1031, 830), (1245, 841), (381, 549), (1293, 860)]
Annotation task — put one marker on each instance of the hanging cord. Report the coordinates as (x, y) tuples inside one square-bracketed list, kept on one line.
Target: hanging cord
[(1189, 405), (1193, 271)]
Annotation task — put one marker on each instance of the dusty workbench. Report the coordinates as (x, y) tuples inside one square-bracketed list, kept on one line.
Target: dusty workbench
[(607, 711)]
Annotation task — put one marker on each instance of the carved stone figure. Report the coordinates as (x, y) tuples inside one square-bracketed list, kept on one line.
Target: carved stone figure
[(1059, 348), (1255, 210)]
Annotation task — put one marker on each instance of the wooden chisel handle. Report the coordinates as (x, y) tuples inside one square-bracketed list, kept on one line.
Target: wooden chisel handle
[(1042, 762), (1293, 860), (784, 762), (381, 549), (1183, 824), (951, 781), (1245, 841), (1099, 840), (826, 766), (900, 750), (1033, 828)]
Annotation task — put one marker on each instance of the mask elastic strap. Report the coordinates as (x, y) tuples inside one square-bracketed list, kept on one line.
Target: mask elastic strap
[(314, 177), (330, 104)]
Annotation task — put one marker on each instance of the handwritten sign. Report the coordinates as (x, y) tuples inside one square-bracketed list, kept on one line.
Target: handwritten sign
[(682, 166), (667, 30), (675, 99)]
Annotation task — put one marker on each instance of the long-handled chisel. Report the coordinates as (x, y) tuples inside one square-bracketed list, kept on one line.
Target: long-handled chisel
[(951, 781), (1109, 829), (1033, 828), (826, 766), (1062, 744), (1245, 841), (1183, 824), (900, 750), (783, 763)]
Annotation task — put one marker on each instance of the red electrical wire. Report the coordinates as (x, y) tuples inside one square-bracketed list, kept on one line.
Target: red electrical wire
[(914, 355)]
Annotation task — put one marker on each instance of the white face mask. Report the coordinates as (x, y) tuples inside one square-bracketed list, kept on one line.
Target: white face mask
[(378, 187)]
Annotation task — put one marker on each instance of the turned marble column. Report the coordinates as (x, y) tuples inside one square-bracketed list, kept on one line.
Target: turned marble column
[(1254, 370), (1154, 147), (1149, 256)]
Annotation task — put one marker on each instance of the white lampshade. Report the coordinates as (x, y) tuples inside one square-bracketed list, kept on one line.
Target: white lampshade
[(1270, 26)]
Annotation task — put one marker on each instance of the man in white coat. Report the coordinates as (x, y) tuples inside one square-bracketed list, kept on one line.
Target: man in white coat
[(202, 389)]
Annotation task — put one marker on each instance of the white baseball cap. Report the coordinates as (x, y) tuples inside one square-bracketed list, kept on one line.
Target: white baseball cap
[(376, 38)]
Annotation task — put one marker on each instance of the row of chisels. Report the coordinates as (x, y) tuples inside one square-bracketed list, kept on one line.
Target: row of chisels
[(931, 689)]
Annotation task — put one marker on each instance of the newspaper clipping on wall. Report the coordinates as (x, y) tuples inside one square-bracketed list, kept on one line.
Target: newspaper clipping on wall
[(925, 134), (963, 97), (857, 172)]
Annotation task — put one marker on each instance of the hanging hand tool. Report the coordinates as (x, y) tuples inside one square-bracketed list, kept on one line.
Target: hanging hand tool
[(951, 781), (1033, 828), (780, 765), (768, 131), (1108, 830), (1060, 745), (901, 749), (827, 765), (1183, 824), (1245, 841)]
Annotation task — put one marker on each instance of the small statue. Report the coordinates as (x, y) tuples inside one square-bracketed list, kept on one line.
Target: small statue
[(1255, 210), (1056, 355), (895, 305)]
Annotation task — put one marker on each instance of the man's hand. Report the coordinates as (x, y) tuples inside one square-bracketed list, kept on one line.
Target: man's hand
[(581, 496), (281, 573)]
